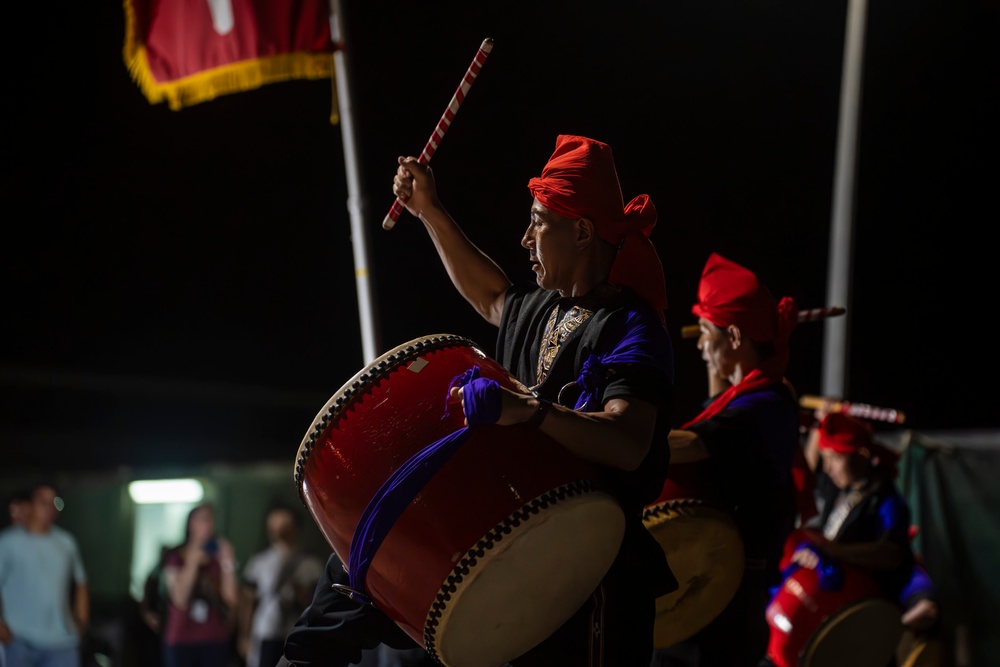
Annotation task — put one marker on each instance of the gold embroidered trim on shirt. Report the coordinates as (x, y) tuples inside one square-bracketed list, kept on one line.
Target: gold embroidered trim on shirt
[(556, 335)]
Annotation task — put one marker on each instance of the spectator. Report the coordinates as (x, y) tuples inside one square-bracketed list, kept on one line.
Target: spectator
[(202, 594), (278, 584), (44, 600)]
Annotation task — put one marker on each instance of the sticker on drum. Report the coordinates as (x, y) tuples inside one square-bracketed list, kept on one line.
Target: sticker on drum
[(705, 553), (498, 545)]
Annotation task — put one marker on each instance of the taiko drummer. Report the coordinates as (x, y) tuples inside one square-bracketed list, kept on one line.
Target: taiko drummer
[(589, 339)]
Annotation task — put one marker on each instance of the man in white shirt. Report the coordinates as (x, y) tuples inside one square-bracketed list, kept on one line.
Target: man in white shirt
[(278, 584)]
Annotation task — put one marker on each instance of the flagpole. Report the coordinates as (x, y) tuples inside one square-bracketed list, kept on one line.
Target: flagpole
[(835, 352), (370, 334)]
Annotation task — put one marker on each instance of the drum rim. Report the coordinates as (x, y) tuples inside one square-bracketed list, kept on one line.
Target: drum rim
[(656, 516), (360, 383), (828, 623), (913, 657), (652, 512), (459, 575)]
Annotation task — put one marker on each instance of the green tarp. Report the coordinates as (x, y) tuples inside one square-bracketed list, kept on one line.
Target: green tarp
[(952, 483)]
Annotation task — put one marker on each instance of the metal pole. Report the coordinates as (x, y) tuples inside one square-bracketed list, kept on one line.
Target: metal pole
[(836, 349), (355, 200)]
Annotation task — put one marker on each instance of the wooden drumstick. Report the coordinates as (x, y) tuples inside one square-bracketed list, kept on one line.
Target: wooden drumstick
[(808, 315), (861, 410), (446, 118)]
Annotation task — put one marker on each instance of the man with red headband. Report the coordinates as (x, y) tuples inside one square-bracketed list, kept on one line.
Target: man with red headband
[(589, 340), (747, 436)]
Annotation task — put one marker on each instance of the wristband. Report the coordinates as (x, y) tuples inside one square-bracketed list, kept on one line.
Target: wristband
[(539, 415)]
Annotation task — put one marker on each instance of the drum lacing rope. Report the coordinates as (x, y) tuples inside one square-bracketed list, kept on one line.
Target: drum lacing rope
[(482, 406)]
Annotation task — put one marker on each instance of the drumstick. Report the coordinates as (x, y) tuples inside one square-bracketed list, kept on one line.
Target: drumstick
[(861, 410), (446, 118), (809, 315)]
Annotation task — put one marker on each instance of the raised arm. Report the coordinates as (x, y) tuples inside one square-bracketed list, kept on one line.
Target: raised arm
[(476, 277), (811, 448), (230, 587), (181, 578)]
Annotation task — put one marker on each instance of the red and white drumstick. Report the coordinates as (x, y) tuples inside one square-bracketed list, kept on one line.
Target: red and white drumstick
[(813, 314), (446, 118), (860, 410), (809, 315)]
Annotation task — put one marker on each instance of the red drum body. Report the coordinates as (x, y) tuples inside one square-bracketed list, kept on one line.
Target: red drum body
[(704, 549), (501, 545), (852, 626)]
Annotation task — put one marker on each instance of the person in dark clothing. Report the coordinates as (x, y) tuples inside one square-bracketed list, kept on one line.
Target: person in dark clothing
[(590, 342), (747, 437), (316, 640), (864, 520)]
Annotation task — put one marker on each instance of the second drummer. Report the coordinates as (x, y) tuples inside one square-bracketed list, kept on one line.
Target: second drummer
[(749, 434)]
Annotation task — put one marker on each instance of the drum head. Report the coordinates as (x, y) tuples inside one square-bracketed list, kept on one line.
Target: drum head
[(863, 634), (529, 583), (705, 553)]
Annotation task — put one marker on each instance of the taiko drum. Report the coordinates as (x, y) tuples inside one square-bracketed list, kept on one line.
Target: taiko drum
[(502, 543)]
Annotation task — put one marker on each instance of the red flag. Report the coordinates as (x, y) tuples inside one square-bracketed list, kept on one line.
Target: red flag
[(191, 51)]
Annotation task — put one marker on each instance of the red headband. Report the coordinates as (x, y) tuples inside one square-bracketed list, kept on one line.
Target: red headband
[(844, 434), (731, 294), (580, 181)]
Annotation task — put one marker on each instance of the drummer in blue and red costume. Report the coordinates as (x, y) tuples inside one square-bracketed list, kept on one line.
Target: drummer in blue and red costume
[(589, 339), (864, 521)]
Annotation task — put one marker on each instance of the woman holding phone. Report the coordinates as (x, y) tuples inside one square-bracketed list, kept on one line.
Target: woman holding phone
[(202, 594)]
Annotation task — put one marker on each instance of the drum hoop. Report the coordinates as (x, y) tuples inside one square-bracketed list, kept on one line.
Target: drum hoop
[(830, 621), (653, 512), (916, 653), (462, 568), (662, 515), (361, 383)]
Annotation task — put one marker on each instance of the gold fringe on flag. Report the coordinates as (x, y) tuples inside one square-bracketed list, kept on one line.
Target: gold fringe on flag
[(234, 78)]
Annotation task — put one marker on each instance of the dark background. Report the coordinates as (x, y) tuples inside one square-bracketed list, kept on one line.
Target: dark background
[(178, 287)]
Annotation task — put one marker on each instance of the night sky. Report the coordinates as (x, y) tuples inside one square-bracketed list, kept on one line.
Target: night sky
[(179, 285)]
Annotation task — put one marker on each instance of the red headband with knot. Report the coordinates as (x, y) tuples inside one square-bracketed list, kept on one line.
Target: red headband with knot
[(580, 181), (844, 434), (731, 294)]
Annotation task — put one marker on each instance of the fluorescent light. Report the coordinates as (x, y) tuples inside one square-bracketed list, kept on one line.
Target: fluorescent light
[(166, 491)]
